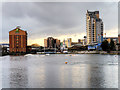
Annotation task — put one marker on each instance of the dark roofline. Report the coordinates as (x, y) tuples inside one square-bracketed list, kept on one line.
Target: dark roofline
[(92, 11), (110, 37)]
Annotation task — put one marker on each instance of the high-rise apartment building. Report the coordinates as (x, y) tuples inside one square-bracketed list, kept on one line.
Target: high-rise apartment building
[(67, 42), (94, 27), (18, 40), (57, 42), (45, 42), (50, 42)]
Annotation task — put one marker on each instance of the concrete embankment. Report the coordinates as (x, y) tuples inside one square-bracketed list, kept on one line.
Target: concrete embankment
[(76, 52), (88, 52), (100, 52)]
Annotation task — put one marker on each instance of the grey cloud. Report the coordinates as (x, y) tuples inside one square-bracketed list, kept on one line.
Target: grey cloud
[(54, 18)]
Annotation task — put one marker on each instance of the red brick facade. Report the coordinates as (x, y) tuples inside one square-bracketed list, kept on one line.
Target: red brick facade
[(119, 38), (18, 40)]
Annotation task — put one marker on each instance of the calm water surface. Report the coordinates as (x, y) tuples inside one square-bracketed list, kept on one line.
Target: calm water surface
[(41, 71)]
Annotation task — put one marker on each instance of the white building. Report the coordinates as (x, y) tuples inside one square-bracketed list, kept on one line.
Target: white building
[(67, 42)]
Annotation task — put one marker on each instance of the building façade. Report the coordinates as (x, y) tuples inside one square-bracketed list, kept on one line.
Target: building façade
[(17, 41)]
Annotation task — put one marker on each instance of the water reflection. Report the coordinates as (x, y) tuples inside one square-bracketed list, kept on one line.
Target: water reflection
[(102, 76), (80, 76), (40, 71), (18, 78), (18, 72), (119, 71), (0, 72), (36, 76)]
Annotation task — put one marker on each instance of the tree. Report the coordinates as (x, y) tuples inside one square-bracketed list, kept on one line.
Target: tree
[(112, 45), (105, 45)]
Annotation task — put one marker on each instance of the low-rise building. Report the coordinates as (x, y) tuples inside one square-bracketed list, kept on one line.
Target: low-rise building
[(4, 49), (81, 41), (115, 39), (118, 44)]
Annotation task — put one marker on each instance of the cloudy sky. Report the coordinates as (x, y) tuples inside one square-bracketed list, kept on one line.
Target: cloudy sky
[(57, 19)]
